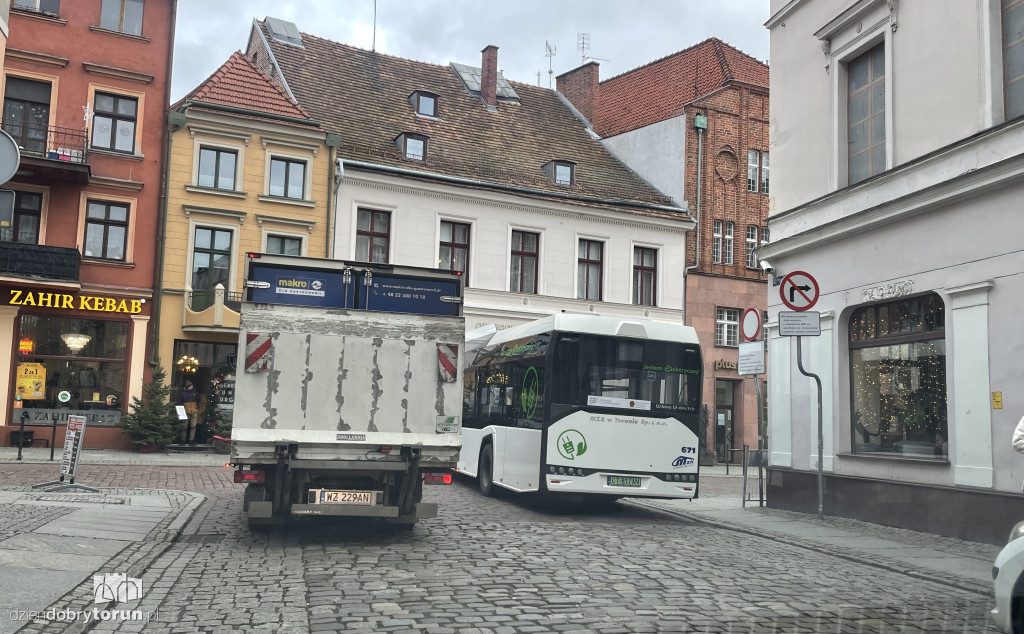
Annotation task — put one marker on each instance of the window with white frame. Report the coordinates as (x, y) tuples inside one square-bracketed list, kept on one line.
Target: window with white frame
[(727, 327), (764, 172), (753, 163), (287, 178), (727, 243), (865, 97), (1013, 57), (217, 168), (716, 242), (284, 245), (751, 247), (764, 235)]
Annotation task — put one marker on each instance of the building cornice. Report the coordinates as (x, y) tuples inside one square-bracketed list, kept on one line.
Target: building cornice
[(36, 58), (507, 202), (119, 73), (783, 13), (226, 124)]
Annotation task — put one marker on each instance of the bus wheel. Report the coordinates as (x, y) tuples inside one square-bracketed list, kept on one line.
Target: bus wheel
[(485, 473)]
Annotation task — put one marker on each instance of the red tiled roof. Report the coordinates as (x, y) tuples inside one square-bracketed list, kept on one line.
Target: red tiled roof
[(364, 97), (659, 90), (240, 84)]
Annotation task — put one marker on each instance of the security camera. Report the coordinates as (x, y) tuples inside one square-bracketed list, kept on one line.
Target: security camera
[(766, 267)]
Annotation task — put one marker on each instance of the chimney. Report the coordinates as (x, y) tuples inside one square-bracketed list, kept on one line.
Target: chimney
[(489, 77), (580, 87)]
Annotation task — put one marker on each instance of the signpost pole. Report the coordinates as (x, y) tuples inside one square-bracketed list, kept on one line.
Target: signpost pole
[(53, 436), (760, 441), (821, 442), (21, 441)]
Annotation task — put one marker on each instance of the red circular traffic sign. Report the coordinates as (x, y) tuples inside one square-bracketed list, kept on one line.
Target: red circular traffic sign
[(799, 291), (750, 325)]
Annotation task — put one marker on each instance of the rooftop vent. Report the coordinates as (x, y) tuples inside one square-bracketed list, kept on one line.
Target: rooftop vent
[(284, 31)]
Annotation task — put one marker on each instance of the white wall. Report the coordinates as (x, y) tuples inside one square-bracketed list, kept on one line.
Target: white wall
[(417, 208), (657, 153)]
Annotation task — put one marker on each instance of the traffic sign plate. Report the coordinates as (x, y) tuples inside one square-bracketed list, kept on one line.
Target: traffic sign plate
[(799, 324), (750, 325), (751, 358), (799, 291)]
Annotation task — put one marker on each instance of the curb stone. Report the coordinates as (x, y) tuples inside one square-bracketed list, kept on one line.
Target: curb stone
[(134, 560), (968, 585)]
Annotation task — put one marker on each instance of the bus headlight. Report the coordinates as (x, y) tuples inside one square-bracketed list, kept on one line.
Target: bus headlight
[(551, 469), (561, 470)]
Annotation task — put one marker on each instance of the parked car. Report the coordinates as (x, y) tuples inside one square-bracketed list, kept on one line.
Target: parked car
[(1008, 576)]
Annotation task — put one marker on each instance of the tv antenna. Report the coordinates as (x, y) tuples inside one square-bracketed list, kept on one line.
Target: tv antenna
[(583, 45), (549, 52)]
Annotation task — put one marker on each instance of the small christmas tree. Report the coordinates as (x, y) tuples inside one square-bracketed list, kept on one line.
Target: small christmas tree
[(150, 421)]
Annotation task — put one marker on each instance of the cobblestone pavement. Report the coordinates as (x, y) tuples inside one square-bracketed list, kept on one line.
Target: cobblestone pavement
[(512, 565)]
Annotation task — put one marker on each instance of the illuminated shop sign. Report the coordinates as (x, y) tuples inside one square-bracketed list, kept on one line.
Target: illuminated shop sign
[(66, 301)]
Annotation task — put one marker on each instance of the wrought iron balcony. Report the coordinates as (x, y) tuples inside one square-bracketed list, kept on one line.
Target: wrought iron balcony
[(50, 142), (39, 261)]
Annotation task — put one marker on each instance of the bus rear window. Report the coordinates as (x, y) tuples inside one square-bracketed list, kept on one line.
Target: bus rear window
[(665, 374)]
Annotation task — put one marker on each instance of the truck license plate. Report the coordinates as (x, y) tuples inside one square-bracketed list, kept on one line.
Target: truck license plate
[(347, 497), (623, 481)]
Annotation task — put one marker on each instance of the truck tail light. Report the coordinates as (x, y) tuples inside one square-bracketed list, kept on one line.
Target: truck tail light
[(385, 449), (259, 477), (437, 478)]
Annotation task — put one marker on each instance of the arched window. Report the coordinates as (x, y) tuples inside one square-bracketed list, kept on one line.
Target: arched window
[(898, 378)]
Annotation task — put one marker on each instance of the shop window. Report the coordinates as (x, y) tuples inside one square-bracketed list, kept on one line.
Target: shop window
[(70, 366), (210, 368), (898, 378)]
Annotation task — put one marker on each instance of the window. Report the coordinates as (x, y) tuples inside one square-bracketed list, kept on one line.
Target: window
[(211, 258), (373, 235), (589, 265), (217, 168), (122, 15), (1013, 57), (866, 114), (454, 248), (113, 124), (27, 113), (764, 235), (764, 173), (106, 230), (751, 247), (727, 327), (898, 377), (425, 103), (716, 242), (645, 276), (287, 178), (753, 162), (45, 6), (284, 245), (28, 207), (727, 243), (563, 173), (525, 247), (413, 146)]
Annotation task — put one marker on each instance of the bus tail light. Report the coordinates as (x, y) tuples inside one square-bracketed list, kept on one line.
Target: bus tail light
[(437, 478), (259, 477)]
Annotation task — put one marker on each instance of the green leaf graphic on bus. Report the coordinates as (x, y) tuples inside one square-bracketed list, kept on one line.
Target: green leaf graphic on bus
[(530, 393), (571, 444)]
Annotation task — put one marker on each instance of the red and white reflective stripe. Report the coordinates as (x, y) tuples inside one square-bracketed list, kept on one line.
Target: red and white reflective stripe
[(447, 361), (257, 351)]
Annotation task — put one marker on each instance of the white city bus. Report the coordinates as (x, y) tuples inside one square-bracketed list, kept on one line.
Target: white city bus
[(585, 404)]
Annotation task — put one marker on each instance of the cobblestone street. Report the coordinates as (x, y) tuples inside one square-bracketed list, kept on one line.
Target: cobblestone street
[(508, 565)]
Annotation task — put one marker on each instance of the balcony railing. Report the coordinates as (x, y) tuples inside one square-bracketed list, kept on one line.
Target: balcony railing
[(36, 260), (201, 300), (52, 142)]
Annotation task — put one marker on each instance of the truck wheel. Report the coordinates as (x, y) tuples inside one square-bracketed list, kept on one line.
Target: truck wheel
[(485, 473)]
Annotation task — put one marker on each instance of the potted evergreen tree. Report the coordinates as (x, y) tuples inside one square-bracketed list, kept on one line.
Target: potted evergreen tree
[(150, 423)]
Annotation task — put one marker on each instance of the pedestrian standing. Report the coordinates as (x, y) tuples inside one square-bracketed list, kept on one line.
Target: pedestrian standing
[(189, 398)]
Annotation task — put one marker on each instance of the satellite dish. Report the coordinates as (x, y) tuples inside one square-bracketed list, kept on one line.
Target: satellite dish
[(10, 157)]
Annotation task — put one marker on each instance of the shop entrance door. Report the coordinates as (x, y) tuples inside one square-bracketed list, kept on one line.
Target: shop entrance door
[(724, 420)]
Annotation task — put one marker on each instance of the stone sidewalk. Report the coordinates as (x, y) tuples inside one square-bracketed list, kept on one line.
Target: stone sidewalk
[(117, 457)]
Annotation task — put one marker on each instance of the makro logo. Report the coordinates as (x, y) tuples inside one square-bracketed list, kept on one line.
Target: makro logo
[(292, 283), (116, 587)]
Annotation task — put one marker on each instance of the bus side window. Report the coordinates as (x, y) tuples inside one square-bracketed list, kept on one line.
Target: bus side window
[(469, 398), (528, 394)]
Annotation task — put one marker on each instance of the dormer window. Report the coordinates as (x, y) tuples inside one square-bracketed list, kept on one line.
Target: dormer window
[(424, 103), (562, 172), (412, 146)]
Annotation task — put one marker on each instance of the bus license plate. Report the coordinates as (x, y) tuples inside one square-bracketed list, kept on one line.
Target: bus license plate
[(347, 497), (623, 481)]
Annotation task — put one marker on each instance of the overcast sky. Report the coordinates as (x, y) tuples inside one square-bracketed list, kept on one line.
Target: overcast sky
[(624, 34)]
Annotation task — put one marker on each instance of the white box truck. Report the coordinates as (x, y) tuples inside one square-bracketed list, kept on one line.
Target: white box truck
[(350, 394)]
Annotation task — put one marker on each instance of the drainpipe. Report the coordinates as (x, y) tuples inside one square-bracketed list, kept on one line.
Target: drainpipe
[(333, 183), (175, 120), (700, 122)]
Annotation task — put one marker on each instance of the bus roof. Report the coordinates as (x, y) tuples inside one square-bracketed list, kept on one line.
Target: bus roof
[(599, 325)]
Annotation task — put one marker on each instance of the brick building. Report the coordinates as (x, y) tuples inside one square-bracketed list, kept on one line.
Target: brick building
[(695, 125), (86, 83)]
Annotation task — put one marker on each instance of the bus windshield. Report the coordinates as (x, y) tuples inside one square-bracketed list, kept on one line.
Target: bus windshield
[(616, 373)]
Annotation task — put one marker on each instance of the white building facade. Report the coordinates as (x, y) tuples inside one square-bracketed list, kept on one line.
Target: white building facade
[(897, 174)]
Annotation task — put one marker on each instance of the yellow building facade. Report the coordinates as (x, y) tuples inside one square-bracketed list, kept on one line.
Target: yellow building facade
[(245, 174)]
